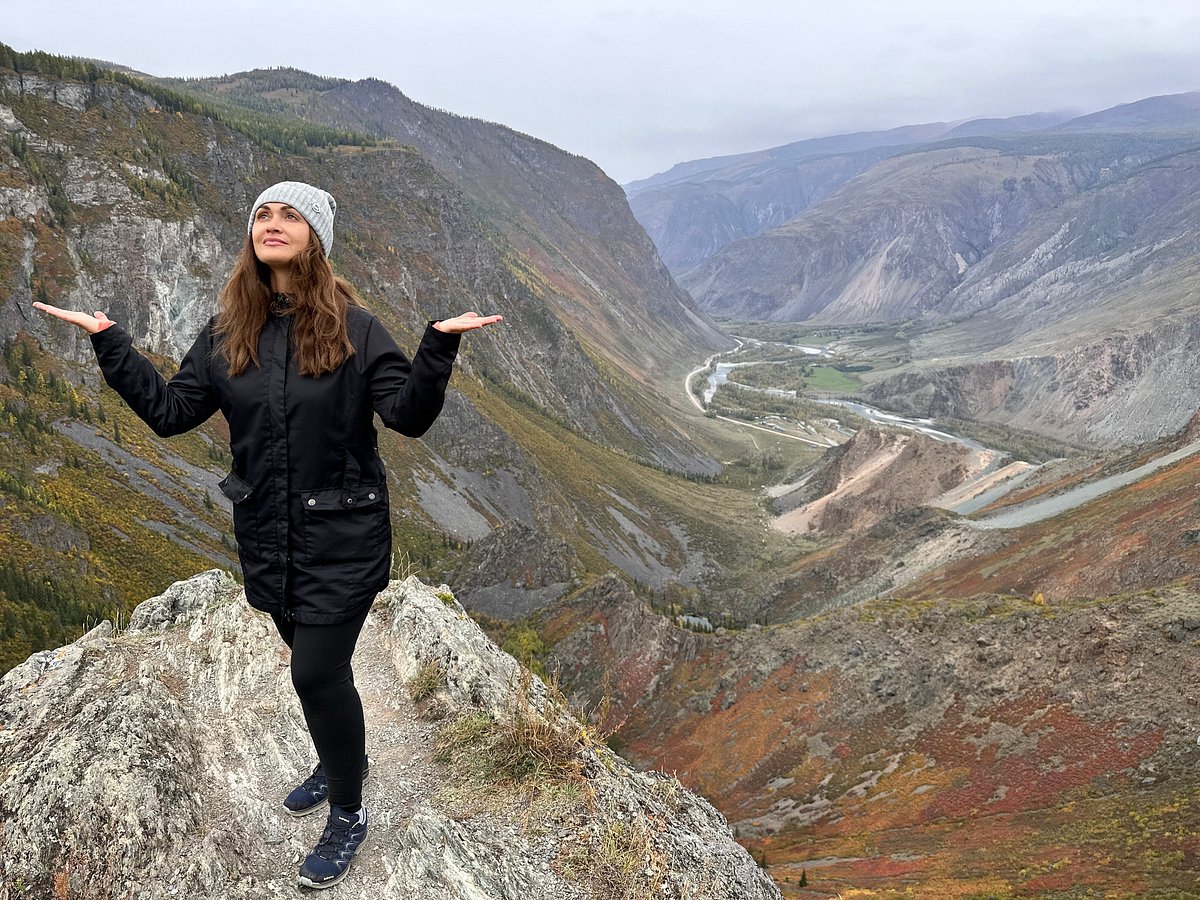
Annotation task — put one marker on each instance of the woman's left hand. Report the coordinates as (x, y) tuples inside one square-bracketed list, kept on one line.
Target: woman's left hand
[(466, 322)]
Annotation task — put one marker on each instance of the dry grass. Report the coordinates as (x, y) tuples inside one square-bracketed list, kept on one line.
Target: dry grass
[(538, 761), (426, 682), (619, 863), (524, 744), (402, 566)]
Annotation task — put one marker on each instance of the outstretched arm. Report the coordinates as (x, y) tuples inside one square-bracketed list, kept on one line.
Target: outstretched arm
[(466, 322), (168, 407), (409, 395)]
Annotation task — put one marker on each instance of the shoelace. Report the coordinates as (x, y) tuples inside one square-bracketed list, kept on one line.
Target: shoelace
[(314, 781), (335, 837)]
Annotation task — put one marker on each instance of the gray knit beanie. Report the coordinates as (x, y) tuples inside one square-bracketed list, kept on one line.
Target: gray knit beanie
[(317, 206)]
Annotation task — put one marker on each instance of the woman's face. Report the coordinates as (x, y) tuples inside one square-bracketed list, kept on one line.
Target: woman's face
[(279, 234)]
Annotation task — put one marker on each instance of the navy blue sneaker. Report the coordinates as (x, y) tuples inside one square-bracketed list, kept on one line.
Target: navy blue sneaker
[(329, 861), (313, 794)]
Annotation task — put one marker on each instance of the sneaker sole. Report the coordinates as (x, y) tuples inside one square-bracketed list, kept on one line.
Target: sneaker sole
[(303, 880), (301, 813)]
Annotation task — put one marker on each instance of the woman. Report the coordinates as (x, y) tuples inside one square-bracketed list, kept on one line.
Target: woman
[(299, 367)]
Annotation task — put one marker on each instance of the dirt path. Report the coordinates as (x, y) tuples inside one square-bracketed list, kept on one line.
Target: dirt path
[(255, 746), (400, 745)]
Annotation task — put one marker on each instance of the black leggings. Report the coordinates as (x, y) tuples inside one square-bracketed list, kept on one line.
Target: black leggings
[(324, 683)]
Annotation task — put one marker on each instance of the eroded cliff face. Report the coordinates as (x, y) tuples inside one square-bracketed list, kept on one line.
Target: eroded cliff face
[(873, 476), (152, 762), (1082, 326), (887, 246), (76, 232), (1119, 390), (690, 221)]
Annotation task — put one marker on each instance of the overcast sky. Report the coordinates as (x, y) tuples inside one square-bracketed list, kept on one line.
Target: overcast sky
[(639, 86)]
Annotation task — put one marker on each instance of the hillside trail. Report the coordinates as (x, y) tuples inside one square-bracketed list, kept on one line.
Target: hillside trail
[(261, 749), (400, 746)]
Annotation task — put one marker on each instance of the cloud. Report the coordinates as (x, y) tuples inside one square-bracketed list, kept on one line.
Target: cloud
[(638, 87)]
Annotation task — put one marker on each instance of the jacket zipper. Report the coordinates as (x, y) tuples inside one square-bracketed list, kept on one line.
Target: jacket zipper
[(287, 551), (287, 610)]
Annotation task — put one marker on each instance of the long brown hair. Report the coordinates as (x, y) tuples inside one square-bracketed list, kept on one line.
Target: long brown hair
[(320, 299)]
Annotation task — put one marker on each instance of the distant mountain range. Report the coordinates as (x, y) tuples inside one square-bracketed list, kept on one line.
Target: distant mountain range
[(1065, 253), (747, 193), (746, 180)]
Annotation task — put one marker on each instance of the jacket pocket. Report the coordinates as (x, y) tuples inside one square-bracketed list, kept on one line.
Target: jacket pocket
[(235, 488), (343, 524), (245, 526)]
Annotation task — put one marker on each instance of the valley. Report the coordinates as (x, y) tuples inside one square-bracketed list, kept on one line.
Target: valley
[(865, 492), (967, 684), (805, 387)]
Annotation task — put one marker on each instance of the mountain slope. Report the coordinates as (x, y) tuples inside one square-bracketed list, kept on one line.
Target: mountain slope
[(557, 210), (716, 168), (122, 195), (1011, 721), (692, 220), (1077, 323), (1169, 112), (885, 246), (946, 748), (895, 242)]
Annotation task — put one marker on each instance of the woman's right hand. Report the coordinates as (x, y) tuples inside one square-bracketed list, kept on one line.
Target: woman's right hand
[(90, 324)]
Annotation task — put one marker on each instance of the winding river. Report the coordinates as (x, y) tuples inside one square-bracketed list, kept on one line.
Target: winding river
[(1021, 514)]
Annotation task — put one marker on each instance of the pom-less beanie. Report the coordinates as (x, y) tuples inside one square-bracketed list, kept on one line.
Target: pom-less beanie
[(317, 206)]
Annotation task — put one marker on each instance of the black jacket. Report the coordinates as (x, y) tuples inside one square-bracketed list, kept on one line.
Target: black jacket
[(309, 492)]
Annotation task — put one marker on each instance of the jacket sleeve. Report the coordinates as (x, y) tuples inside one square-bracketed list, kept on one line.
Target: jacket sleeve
[(409, 395), (168, 407)]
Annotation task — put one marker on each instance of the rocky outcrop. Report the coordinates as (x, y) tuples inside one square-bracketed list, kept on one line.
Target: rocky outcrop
[(874, 475), (150, 763), (1108, 392), (617, 645)]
